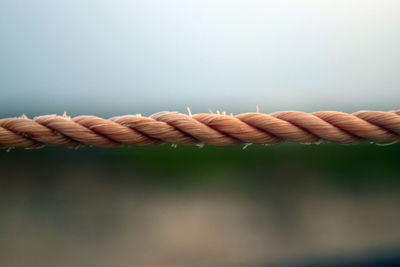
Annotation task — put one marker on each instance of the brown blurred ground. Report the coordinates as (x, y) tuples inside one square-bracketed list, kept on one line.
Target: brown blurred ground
[(197, 207)]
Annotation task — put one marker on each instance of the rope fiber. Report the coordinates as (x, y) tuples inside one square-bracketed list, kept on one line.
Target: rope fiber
[(199, 129)]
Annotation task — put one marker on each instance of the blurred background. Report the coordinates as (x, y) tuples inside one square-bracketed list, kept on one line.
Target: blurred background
[(284, 205)]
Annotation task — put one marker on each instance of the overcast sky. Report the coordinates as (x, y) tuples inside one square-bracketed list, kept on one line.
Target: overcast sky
[(118, 57)]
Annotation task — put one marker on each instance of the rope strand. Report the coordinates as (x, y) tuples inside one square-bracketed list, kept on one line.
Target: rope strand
[(199, 129)]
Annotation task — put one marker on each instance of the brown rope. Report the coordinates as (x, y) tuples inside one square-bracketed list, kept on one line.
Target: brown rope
[(199, 129)]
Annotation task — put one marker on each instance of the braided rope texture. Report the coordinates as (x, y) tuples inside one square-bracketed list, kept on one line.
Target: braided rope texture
[(199, 129)]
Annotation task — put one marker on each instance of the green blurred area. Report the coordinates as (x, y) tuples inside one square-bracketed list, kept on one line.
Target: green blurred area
[(356, 166)]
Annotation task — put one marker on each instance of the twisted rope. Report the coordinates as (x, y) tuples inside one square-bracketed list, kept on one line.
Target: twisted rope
[(199, 129)]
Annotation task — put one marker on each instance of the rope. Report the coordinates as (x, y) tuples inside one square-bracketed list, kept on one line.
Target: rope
[(198, 129)]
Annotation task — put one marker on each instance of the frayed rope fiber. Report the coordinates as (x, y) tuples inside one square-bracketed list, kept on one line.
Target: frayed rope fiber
[(199, 129)]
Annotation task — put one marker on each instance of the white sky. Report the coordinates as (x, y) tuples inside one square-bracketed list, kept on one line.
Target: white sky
[(118, 57)]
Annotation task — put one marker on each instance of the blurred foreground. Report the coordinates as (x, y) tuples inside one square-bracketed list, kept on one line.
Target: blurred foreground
[(185, 206)]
